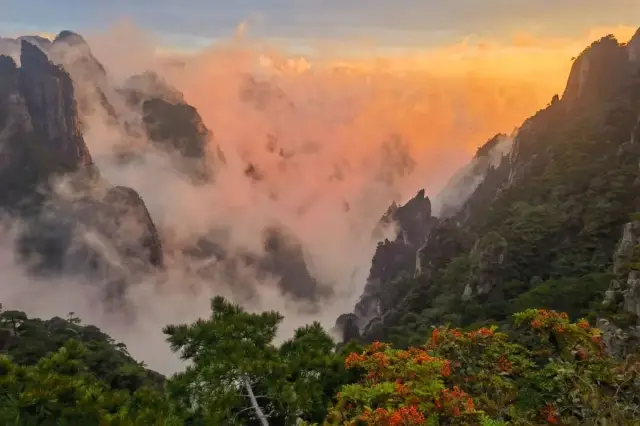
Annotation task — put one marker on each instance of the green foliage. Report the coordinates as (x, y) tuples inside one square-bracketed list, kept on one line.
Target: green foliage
[(575, 296), (61, 390), (554, 372), (238, 376), (547, 370), (27, 340), (540, 231)]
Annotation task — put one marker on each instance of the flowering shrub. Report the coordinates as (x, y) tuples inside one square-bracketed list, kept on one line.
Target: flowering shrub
[(556, 372), (400, 387)]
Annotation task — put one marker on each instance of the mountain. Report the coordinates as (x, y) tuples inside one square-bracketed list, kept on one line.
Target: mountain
[(545, 219), (453, 196), (282, 259), (394, 259), (534, 217), (173, 126), (542, 220), (42, 143), (86, 226), (40, 134)]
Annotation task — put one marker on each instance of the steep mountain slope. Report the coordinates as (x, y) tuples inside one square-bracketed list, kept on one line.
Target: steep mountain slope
[(542, 226), (393, 260), (453, 196), (77, 94), (42, 142), (176, 128)]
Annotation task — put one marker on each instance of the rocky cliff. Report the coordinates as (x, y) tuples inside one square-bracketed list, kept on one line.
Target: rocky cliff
[(622, 299), (40, 134), (541, 227), (393, 262), (41, 143), (597, 72), (464, 183), (174, 126)]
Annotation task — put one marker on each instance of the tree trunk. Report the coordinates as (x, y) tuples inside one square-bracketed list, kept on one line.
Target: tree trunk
[(254, 404)]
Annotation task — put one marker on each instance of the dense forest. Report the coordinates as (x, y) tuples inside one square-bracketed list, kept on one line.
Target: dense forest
[(517, 305), (545, 370)]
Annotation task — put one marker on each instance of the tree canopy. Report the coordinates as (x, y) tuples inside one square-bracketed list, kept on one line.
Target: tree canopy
[(545, 369)]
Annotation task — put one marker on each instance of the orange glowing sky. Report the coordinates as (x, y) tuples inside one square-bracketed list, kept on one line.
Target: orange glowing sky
[(444, 75)]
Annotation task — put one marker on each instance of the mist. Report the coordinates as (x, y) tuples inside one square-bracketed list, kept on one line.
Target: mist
[(335, 140)]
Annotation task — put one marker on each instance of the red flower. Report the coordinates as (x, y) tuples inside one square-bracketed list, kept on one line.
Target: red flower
[(376, 346), (445, 369), (550, 414), (470, 405), (353, 359), (583, 324), (504, 364), (434, 336)]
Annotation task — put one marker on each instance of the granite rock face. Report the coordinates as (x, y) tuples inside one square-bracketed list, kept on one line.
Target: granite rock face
[(174, 126), (281, 259), (597, 73), (393, 261), (40, 135), (40, 143), (621, 330)]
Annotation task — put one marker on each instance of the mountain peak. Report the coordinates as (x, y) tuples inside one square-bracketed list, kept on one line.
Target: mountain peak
[(31, 56), (485, 150), (69, 37), (597, 72), (7, 64)]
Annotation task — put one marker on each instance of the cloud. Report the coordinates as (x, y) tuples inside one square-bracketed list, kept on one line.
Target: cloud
[(321, 131)]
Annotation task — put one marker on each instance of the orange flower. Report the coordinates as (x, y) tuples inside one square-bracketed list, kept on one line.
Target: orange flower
[(422, 357), (445, 369), (381, 359), (583, 324), (550, 414), (401, 389), (403, 416), (403, 355), (376, 346), (470, 405), (504, 364), (353, 359), (485, 332), (435, 334)]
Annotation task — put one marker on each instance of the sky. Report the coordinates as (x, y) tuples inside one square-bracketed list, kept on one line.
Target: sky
[(195, 23)]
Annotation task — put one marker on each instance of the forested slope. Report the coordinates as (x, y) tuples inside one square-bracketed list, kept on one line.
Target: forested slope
[(543, 227)]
